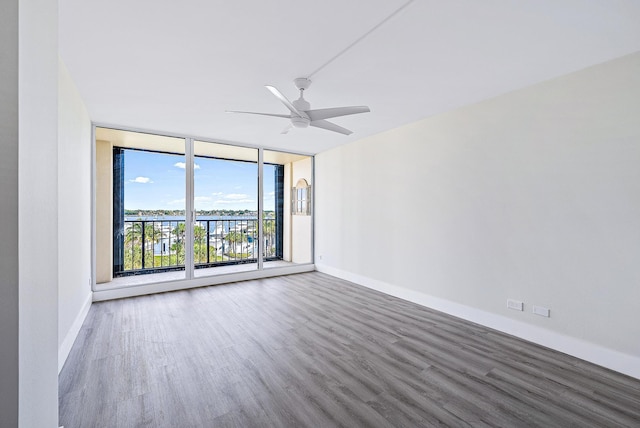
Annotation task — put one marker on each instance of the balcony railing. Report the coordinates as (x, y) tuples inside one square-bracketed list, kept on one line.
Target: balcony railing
[(151, 246)]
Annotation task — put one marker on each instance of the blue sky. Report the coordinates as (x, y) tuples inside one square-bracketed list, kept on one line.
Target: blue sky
[(157, 181)]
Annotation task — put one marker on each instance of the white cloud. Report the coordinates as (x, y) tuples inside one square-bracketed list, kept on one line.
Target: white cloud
[(143, 180), (183, 165), (233, 198), (270, 197), (234, 201), (236, 196), (207, 202), (196, 199)]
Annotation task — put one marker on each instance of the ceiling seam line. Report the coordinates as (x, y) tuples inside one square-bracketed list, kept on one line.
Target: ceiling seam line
[(380, 24)]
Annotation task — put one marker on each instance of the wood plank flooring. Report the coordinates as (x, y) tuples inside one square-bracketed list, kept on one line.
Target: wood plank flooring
[(310, 350)]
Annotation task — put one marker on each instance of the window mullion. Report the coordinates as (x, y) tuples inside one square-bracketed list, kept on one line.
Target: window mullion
[(190, 213), (260, 209)]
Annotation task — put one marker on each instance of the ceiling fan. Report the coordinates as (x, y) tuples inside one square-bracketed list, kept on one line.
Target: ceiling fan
[(301, 114)]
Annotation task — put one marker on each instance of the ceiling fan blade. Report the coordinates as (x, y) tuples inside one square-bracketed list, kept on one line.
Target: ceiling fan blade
[(326, 113), (330, 127), (286, 116), (287, 129), (285, 101)]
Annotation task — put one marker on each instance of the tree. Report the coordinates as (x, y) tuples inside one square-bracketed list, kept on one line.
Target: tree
[(150, 238), (178, 244), (133, 242), (200, 244), (268, 232), (234, 238), (133, 246)]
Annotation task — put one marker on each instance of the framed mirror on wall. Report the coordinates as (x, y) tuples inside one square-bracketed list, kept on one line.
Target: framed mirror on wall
[(301, 198)]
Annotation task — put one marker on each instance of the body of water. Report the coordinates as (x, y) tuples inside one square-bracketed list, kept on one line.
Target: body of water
[(182, 218)]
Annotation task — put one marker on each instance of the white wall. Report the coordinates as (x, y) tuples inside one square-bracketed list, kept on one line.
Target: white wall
[(9, 272), (74, 213), (104, 211), (533, 195), (300, 224), (38, 212)]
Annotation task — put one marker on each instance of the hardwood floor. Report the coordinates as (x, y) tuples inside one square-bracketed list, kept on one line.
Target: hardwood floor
[(310, 350)]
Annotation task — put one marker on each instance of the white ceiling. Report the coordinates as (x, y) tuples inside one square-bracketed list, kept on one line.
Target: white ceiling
[(177, 66)]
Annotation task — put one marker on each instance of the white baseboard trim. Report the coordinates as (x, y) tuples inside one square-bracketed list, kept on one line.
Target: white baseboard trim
[(605, 357), (67, 343)]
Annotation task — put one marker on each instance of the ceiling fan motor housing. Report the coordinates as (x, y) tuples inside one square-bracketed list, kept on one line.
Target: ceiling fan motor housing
[(301, 104), (300, 122)]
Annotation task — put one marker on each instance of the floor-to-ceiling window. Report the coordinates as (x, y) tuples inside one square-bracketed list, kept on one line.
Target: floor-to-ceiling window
[(172, 209), (148, 211), (140, 206)]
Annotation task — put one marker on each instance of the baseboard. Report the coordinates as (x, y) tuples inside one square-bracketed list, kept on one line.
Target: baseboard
[(605, 357), (67, 343)]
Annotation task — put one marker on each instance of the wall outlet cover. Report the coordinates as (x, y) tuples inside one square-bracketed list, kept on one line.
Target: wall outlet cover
[(542, 311), (515, 304)]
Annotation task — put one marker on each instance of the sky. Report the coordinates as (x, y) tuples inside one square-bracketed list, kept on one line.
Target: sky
[(154, 181)]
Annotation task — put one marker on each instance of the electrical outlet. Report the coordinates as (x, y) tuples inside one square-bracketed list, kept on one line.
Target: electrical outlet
[(515, 304), (542, 311)]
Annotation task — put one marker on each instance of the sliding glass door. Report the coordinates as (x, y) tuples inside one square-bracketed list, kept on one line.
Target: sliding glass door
[(225, 199)]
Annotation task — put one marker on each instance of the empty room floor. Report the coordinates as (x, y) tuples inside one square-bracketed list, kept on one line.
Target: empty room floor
[(310, 350)]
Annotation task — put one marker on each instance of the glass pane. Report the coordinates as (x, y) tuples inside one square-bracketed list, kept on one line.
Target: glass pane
[(226, 205), (140, 208), (272, 248), (289, 240)]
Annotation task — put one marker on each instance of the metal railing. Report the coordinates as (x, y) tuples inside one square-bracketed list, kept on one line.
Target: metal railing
[(151, 246)]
